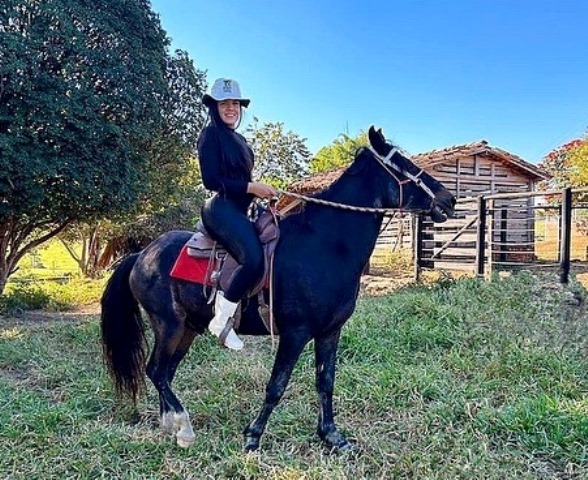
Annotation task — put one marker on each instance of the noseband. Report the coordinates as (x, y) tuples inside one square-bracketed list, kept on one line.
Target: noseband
[(387, 164)]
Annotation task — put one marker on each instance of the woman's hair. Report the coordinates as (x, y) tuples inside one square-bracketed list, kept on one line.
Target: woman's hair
[(233, 150)]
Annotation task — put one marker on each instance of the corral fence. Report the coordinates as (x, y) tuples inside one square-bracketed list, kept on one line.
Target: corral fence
[(508, 231)]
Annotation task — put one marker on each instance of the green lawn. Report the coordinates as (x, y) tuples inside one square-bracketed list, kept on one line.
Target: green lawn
[(462, 379), (50, 260)]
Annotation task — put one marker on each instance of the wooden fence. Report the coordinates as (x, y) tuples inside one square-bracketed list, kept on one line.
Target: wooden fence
[(507, 231)]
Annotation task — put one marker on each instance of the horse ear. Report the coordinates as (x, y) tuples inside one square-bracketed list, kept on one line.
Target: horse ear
[(377, 140), (372, 136)]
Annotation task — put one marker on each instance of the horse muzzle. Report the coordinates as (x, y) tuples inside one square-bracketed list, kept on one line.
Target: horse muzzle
[(439, 212)]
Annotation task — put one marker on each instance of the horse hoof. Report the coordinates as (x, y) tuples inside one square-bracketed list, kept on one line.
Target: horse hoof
[(184, 442), (251, 445), (347, 447), (338, 443)]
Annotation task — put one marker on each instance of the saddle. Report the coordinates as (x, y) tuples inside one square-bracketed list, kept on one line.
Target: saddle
[(222, 267)]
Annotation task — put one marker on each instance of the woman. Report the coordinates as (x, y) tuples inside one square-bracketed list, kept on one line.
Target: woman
[(226, 162)]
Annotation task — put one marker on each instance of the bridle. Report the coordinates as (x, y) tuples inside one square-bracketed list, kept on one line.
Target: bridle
[(387, 164)]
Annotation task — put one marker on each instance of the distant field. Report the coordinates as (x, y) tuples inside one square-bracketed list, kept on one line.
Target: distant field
[(50, 260), (546, 248)]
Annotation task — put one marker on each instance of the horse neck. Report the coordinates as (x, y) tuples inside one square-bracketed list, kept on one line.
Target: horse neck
[(356, 230)]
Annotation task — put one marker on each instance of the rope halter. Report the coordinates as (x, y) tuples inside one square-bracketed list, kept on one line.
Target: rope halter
[(387, 163)]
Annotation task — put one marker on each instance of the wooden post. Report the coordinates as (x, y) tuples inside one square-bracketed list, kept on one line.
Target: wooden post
[(418, 246), (481, 236), (490, 235), (566, 235), (503, 233)]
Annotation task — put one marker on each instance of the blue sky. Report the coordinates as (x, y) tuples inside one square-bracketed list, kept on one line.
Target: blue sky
[(430, 73)]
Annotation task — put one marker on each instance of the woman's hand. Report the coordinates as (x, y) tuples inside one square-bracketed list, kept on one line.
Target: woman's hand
[(261, 190)]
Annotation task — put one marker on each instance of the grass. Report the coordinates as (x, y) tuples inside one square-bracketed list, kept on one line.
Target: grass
[(57, 296), (460, 379)]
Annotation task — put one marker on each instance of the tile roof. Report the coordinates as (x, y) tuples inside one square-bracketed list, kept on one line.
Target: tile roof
[(317, 182), (481, 147)]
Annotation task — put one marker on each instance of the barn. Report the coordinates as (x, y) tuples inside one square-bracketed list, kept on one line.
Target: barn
[(472, 170)]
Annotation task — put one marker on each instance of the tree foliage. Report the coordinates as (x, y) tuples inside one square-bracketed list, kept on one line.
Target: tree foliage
[(172, 193), (568, 167), (340, 153), (281, 157), (82, 84), (568, 164)]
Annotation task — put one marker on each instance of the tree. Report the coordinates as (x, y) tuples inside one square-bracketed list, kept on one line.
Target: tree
[(81, 90), (172, 193), (102, 242), (567, 165), (280, 157), (340, 153), (579, 161)]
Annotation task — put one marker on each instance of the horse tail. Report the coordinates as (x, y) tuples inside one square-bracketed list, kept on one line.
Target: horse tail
[(123, 333)]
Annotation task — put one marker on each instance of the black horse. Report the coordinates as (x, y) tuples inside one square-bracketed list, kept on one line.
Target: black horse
[(319, 260)]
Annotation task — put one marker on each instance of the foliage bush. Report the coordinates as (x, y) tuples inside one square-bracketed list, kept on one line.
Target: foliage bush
[(50, 295)]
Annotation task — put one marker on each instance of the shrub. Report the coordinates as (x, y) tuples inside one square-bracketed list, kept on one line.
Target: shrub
[(50, 295)]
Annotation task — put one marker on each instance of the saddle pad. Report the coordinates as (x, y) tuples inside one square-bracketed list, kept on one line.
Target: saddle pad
[(190, 268)]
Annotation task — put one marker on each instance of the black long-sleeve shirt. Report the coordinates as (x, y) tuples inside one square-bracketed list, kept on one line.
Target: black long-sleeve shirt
[(226, 168)]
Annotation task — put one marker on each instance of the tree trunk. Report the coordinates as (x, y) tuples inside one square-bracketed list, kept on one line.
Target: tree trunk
[(88, 260), (3, 280)]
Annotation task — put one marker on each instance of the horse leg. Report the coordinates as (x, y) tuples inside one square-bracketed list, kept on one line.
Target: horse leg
[(325, 349), (167, 413), (180, 353), (289, 351), (171, 345)]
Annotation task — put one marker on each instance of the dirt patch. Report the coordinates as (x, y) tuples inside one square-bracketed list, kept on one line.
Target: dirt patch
[(376, 285), (40, 317)]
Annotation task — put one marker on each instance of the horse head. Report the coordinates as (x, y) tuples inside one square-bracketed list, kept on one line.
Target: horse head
[(410, 187)]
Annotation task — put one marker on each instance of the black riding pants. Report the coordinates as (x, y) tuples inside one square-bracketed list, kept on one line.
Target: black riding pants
[(229, 225)]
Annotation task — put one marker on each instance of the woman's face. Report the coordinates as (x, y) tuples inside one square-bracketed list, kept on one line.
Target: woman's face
[(230, 111)]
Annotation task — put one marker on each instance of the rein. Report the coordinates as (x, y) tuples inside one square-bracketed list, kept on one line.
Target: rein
[(342, 206)]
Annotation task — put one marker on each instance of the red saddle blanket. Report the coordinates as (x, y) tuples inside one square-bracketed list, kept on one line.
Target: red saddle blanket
[(190, 268)]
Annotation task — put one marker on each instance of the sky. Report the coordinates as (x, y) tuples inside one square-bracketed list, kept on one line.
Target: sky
[(430, 73)]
